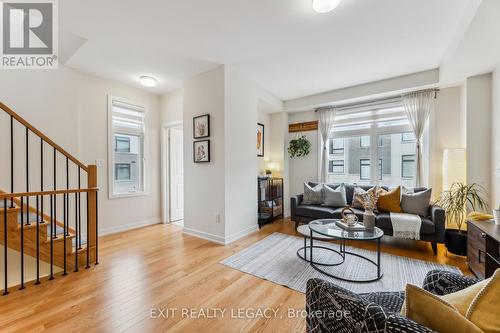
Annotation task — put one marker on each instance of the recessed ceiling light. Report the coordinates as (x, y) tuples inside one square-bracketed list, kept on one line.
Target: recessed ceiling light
[(325, 6), (148, 81)]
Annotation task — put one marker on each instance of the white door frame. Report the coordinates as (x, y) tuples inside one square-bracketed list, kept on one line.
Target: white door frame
[(165, 169)]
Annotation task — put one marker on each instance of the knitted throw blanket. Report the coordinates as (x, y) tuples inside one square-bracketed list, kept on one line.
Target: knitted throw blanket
[(406, 225)]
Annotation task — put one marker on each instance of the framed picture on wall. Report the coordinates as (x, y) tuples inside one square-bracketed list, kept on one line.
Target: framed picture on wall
[(201, 151), (260, 140), (201, 126)]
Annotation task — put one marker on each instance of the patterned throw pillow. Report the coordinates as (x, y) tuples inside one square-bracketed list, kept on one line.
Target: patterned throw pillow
[(359, 195), (313, 195)]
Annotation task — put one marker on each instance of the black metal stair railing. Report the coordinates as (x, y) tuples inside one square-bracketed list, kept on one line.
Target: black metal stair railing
[(22, 201)]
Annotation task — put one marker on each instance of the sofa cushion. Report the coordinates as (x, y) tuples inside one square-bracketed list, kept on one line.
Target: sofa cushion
[(365, 198), (334, 197), (390, 201), (313, 195), (349, 189), (417, 203), (315, 211), (383, 221)]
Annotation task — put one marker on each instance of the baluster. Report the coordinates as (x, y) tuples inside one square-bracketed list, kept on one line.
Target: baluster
[(77, 230), (67, 196), (41, 178), (54, 226), (96, 228), (51, 239), (88, 249), (11, 159), (5, 249), (22, 243), (79, 245), (37, 243), (27, 178), (64, 234)]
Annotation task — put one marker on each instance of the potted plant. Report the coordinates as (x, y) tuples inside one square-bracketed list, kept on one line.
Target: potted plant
[(269, 172), (457, 202), (299, 147)]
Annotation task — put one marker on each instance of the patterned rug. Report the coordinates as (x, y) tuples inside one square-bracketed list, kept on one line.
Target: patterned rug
[(274, 258)]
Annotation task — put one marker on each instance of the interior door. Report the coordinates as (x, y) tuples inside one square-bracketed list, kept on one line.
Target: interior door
[(176, 175)]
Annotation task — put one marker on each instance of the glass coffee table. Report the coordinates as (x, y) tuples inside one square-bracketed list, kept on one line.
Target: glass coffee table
[(328, 228)]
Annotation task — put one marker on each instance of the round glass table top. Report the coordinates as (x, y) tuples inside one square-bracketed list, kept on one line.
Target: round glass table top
[(328, 227)]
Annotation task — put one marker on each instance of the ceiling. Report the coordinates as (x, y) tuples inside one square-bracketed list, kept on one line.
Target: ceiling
[(282, 44)]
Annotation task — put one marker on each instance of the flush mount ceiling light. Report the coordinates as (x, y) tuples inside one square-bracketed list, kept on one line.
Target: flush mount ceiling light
[(325, 6), (148, 81)]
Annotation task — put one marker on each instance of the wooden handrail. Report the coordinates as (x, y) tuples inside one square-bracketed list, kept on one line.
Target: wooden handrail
[(34, 194), (43, 136)]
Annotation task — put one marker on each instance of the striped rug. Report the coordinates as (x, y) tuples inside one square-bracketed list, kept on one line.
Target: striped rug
[(274, 258)]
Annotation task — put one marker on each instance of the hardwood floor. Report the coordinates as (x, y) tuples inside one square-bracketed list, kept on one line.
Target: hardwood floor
[(153, 269)]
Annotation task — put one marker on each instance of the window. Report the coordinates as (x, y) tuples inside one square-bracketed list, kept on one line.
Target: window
[(380, 165), (122, 144), (407, 137), (365, 170), (126, 151), (336, 167), (122, 171), (364, 141), (384, 124), (337, 146), (408, 166)]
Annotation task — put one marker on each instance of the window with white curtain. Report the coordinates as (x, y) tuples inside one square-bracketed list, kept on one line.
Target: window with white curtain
[(126, 148), (378, 146)]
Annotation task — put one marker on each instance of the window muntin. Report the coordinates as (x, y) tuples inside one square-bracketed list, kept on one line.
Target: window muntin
[(127, 131)]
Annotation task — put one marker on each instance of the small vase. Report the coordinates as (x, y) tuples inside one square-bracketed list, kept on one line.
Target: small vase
[(496, 214), (369, 220)]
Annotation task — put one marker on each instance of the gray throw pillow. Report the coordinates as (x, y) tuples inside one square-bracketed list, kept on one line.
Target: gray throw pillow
[(313, 195), (417, 203), (334, 197)]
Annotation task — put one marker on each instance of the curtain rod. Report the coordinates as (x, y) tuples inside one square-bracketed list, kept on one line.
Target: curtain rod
[(372, 101)]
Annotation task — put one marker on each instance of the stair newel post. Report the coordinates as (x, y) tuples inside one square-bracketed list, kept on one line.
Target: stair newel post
[(27, 176), (92, 213), (5, 249), (11, 158), (79, 243), (64, 233)]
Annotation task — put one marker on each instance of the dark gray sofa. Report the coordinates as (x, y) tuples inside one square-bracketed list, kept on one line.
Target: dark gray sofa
[(432, 230)]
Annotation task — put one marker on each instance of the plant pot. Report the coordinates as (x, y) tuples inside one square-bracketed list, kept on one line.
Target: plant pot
[(456, 242), (496, 214), (369, 220)]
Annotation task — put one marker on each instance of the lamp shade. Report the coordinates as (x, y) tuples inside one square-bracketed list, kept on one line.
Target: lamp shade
[(454, 167)]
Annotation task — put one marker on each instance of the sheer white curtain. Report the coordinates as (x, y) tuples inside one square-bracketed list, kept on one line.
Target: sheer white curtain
[(326, 117), (418, 106)]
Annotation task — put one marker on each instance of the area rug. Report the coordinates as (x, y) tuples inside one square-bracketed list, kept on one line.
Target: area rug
[(274, 258)]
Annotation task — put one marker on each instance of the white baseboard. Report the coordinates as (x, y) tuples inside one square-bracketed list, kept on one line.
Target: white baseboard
[(204, 235), (130, 226), (219, 239), (241, 234)]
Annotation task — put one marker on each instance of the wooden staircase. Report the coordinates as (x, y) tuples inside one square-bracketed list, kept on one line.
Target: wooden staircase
[(56, 226)]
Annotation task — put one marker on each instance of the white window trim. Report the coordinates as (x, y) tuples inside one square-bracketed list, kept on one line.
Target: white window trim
[(111, 169)]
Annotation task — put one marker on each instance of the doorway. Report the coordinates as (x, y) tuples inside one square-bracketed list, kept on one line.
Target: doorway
[(172, 173)]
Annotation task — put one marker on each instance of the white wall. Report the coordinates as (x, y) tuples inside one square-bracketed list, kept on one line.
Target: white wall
[(278, 143), (447, 130), (171, 106), (71, 108), (478, 130), (263, 118), (304, 169), (495, 139), (204, 183)]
